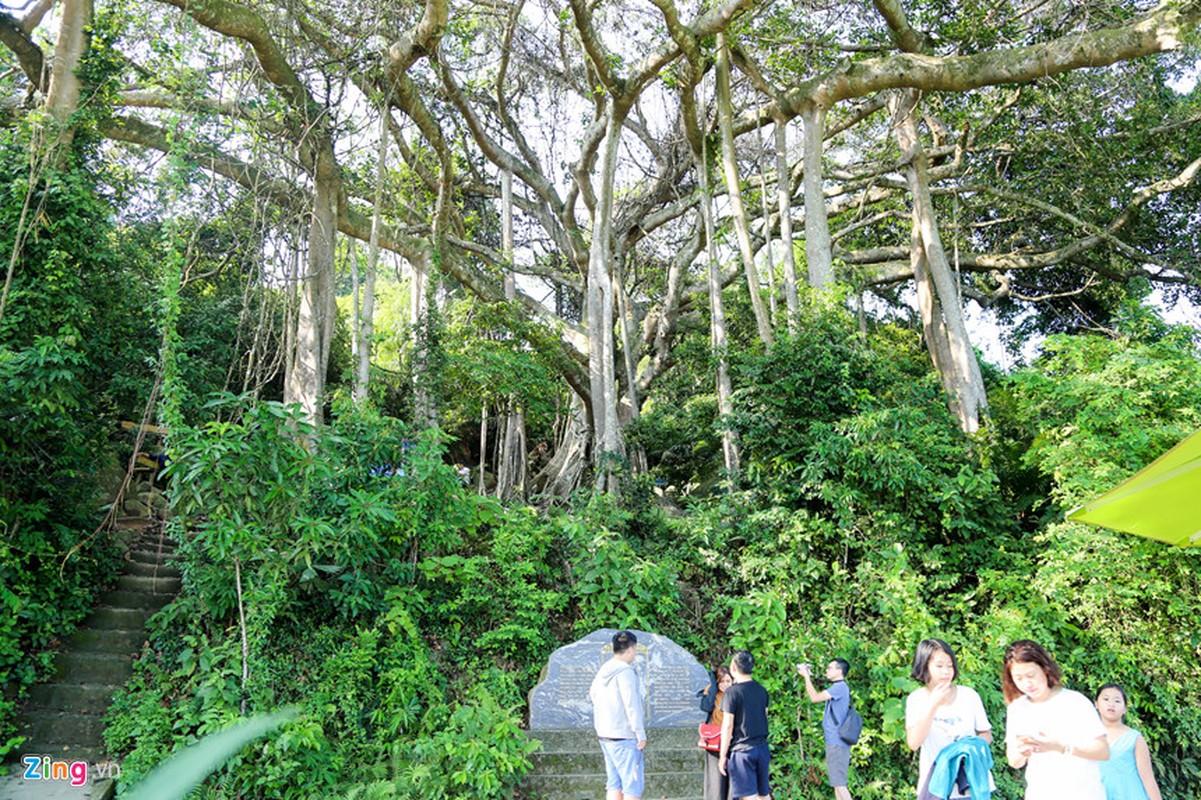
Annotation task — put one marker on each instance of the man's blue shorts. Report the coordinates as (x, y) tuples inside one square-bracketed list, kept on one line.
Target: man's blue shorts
[(623, 766), (748, 772)]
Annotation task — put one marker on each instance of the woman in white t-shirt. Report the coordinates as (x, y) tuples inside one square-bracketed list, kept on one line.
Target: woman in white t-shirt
[(1053, 732), (940, 712)]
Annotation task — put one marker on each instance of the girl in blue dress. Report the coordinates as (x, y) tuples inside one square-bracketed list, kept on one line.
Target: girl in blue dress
[(1127, 774)]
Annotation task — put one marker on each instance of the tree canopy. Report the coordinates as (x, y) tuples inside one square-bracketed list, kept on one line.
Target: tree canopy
[(605, 114)]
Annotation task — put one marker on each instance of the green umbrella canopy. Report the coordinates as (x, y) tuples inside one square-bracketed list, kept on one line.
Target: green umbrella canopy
[(1162, 501)]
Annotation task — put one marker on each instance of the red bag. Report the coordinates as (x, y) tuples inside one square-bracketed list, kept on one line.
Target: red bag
[(710, 737)]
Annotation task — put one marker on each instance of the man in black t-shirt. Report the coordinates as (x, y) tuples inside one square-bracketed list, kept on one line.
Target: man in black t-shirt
[(744, 755)]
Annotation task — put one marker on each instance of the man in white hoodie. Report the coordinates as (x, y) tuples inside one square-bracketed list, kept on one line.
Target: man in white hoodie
[(620, 720)]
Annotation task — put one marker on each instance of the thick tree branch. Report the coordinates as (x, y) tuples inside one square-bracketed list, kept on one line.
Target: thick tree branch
[(598, 57), (153, 98), (1164, 29), (33, 62), (902, 33), (255, 179), (890, 264), (242, 22), (529, 174), (419, 42), (31, 21)]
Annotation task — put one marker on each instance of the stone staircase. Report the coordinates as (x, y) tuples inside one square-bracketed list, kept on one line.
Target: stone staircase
[(63, 718), (569, 766)]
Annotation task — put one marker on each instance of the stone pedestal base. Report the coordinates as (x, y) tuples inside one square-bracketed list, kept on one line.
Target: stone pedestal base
[(569, 766)]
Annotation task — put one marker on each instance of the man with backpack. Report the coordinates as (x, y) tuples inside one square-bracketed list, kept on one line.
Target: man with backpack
[(838, 706)]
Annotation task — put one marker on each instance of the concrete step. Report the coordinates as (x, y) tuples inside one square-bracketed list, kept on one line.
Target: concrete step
[(151, 569), (132, 523), (57, 752), (15, 787), (149, 556), (662, 786), (108, 618), (142, 583), (591, 762), (64, 719), (155, 536), (54, 732), (89, 698), (86, 668), (88, 640), (149, 601), (580, 763), (577, 741), (569, 766)]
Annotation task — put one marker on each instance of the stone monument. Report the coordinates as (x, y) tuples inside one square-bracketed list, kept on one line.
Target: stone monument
[(569, 765)]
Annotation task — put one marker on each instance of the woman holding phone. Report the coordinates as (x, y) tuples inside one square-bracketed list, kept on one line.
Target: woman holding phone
[(1052, 732)]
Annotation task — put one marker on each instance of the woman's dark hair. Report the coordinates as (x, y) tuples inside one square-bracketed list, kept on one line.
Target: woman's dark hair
[(1117, 686), (721, 671), (1025, 651), (926, 648)]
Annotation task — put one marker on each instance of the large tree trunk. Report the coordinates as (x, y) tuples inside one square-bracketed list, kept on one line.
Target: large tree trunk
[(725, 122), (934, 331), (608, 442), (630, 410), (511, 475), (769, 261), (291, 301), (366, 319), (64, 91), (942, 310), (305, 380), (784, 201), (717, 323), (717, 336), (694, 131), (818, 248), (483, 467), (424, 411), (356, 315), (561, 475)]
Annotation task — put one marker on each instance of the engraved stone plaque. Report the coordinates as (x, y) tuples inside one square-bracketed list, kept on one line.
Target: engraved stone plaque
[(671, 678)]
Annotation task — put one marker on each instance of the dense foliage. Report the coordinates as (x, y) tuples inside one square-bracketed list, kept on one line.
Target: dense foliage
[(409, 616), (367, 577), (79, 342), (69, 325)]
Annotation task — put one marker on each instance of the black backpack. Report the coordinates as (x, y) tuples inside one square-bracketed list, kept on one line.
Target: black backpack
[(852, 724)]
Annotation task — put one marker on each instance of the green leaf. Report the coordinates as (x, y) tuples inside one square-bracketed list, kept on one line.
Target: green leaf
[(182, 772)]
